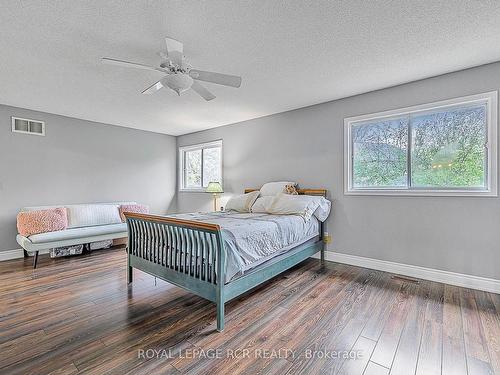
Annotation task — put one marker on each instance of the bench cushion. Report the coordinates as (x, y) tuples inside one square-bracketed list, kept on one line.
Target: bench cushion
[(73, 236), (73, 233)]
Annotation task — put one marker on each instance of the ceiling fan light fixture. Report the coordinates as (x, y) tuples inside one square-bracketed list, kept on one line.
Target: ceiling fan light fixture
[(178, 82), (178, 73)]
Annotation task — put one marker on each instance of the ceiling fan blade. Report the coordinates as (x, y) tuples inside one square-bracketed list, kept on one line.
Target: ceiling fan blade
[(202, 91), (128, 64), (218, 78), (153, 88), (175, 50)]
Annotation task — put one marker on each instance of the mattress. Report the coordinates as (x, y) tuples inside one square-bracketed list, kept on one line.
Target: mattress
[(251, 239)]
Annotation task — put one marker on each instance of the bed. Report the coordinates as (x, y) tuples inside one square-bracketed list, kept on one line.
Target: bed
[(221, 255)]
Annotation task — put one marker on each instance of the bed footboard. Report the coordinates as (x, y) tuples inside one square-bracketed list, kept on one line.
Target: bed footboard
[(189, 254)]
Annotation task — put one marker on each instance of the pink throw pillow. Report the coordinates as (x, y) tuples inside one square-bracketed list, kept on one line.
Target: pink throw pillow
[(137, 208), (42, 221)]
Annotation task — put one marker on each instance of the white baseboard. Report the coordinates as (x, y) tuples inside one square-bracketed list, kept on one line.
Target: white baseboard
[(11, 254), (16, 254), (440, 276)]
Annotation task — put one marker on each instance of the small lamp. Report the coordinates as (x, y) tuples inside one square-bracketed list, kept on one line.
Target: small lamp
[(215, 188)]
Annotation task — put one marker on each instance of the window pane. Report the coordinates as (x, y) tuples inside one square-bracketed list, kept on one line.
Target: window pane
[(211, 165), (380, 153), (193, 169), (21, 125), (448, 148), (36, 127)]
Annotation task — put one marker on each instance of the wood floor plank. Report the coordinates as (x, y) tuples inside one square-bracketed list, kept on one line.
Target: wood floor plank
[(381, 311), (388, 341), (454, 359), (78, 315), (357, 366), (406, 357), (375, 369), (476, 349), (430, 354), (490, 320), (69, 369)]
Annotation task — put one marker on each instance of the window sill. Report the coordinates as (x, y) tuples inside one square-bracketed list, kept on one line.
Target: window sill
[(424, 193), (194, 190)]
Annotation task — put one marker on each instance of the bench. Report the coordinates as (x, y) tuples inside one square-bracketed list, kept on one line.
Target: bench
[(86, 223)]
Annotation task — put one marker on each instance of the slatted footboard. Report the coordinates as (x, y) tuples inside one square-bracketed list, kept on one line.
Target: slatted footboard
[(189, 254)]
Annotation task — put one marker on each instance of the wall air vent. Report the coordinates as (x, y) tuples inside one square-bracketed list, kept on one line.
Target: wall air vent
[(27, 126)]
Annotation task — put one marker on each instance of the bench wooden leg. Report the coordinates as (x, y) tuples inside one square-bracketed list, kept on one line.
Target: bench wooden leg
[(35, 259)]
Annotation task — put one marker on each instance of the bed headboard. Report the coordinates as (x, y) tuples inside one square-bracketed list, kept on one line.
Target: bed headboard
[(318, 192)]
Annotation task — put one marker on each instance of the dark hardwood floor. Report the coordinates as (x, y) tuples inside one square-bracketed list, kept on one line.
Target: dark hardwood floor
[(77, 315)]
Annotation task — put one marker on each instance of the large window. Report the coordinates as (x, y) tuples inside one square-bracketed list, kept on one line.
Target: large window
[(199, 165), (445, 148)]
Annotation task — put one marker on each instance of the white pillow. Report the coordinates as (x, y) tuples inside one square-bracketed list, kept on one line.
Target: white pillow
[(274, 188), (323, 209), (243, 202), (86, 215), (284, 204), (303, 205), (324, 205), (262, 204)]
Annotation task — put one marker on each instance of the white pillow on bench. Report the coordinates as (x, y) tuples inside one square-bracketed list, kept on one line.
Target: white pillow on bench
[(87, 215)]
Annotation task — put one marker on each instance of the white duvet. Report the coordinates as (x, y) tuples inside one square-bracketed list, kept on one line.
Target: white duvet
[(252, 238)]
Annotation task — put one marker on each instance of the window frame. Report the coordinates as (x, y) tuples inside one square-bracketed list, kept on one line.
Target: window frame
[(182, 164), (491, 101)]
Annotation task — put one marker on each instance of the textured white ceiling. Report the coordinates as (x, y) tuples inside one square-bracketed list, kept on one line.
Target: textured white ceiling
[(290, 54)]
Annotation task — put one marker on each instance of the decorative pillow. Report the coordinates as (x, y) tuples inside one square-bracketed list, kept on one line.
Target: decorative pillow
[(87, 215), (291, 189), (137, 208), (243, 202), (303, 205), (274, 188), (262, 204), (42, 221)]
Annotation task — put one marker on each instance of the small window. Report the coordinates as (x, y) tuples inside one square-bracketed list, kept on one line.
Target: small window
[(27, 126), (445, 148), (199, 165)]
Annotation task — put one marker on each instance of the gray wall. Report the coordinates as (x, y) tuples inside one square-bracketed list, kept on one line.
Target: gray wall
[(306, 145), (80, 162)]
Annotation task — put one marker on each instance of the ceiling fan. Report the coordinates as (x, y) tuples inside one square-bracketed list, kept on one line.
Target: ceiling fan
[(179, 77)]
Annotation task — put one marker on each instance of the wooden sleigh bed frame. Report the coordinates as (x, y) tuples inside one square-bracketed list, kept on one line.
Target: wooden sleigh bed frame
[(191, 255)]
